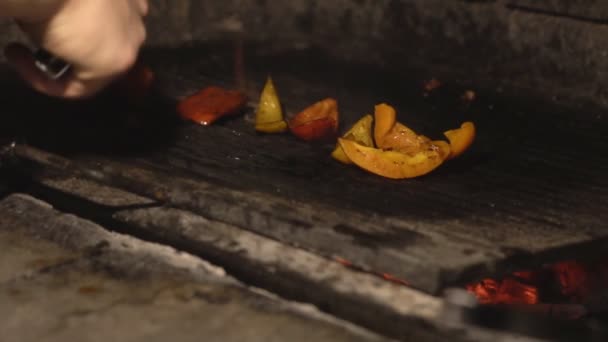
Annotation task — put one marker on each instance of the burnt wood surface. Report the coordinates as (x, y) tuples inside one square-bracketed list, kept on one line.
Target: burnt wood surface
[(532, 189)]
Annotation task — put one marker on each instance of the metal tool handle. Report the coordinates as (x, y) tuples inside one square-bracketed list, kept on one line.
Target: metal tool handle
[(51, 65)]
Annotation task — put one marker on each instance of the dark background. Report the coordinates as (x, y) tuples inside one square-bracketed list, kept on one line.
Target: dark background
[(554, 47)]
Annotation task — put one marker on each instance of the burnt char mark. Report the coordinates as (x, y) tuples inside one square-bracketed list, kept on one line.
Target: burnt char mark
[(376, 240)]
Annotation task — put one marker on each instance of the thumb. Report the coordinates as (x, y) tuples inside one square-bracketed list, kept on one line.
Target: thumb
[(22, 60)]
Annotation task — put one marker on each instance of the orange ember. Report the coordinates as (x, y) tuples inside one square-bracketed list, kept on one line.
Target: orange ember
[(394, 279), (385, 276), (563, 282), (431, 85), (344, 261), (573, 279), (559, 290), (508, 291)]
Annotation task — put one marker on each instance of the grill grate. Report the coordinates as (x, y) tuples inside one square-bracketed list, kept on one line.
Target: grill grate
[(532, 189)]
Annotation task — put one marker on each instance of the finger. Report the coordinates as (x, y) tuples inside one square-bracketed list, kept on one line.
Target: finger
[(79, 89), (143, 7), (22, 60)]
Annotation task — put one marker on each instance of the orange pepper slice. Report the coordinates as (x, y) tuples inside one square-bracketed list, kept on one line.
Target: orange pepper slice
[(394, 164), (461, 138), (386, 117), (392, 135)]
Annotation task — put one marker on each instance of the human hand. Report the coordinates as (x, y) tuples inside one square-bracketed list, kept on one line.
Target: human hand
[(99, 38)]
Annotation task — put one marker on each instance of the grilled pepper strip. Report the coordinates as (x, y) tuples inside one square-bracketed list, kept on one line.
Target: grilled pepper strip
[(393, 164)]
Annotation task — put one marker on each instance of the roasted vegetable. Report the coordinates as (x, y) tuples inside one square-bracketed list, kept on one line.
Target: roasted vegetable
[(210, 104), (393, 164), (269, 117), (361, 133), (461, 138), (318, 122), (386, 117), (400, 152), (392, 135)]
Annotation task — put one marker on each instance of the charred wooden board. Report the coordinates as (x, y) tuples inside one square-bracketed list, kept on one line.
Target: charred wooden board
[(533, 188)]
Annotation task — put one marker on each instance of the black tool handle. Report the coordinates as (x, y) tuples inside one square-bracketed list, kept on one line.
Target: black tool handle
[(51, 65)]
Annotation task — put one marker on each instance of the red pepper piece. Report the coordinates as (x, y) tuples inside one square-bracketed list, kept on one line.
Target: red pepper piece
[(211, 104), (318, 122)]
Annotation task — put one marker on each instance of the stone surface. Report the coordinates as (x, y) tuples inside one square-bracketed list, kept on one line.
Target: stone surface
[(63, 278), (291, 272)]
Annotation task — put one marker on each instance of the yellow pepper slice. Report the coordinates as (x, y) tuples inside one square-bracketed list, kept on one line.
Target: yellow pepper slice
[(269, 117), (360, 132)]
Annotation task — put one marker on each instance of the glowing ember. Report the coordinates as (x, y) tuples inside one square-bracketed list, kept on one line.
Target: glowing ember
[(564, 282), (344, 261), (394, 279), (561, 290), (431, 85), (572, 277), (385, 276), (508, 291)]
